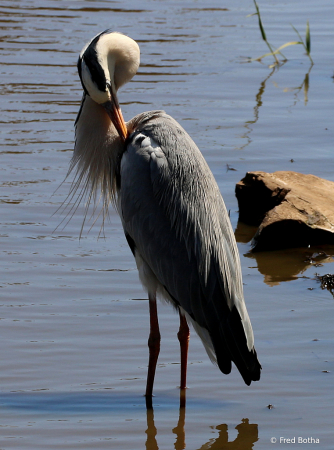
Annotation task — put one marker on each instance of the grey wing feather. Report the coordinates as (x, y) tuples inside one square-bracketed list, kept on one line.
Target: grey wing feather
[(173, 211)]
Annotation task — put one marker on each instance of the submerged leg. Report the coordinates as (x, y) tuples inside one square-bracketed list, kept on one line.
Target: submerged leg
[(180, 442), (151, 432), (154, 348), (183, 336)]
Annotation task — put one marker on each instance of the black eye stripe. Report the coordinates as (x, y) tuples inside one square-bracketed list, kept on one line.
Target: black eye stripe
[(96, 71), (93, 65)]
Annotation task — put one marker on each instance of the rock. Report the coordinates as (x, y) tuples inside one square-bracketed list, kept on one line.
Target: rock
[(290, 208), (327, 282)]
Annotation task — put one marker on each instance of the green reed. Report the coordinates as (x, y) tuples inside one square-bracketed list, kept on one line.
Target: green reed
[(306, 44)]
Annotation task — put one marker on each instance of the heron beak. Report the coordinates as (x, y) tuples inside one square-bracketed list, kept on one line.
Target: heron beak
[(114, 112)]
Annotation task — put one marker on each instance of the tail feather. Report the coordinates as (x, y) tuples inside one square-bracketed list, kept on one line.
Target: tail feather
[(232, 346)]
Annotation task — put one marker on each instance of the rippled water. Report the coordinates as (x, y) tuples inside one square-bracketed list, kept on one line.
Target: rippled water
[(73, 316)]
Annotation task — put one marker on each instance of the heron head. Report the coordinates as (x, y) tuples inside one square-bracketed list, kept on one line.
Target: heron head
[(105, 63)]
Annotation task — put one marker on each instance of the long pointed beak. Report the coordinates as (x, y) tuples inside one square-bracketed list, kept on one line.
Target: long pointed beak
[(114, 111)]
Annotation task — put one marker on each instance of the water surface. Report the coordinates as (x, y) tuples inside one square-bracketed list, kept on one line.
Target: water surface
[(73, 315)]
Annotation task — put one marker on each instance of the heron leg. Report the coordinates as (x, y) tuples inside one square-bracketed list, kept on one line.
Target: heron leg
[(154, 347), (183, 336)]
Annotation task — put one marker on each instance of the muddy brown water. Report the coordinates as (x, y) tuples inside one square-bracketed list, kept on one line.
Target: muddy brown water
[(73, 315)]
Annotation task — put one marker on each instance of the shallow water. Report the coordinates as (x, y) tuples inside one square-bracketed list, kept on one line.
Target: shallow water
[(74, 318)]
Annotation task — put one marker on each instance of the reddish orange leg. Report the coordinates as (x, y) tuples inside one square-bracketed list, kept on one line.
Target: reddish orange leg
[(183, 336), (154, 349)]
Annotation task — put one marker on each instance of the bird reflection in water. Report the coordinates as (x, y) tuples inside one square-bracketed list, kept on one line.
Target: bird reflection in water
[(245, 440)]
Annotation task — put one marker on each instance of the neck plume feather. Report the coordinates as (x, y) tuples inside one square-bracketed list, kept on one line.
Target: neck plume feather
[(95, 159)]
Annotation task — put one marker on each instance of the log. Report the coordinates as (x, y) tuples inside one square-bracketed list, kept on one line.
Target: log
[(291, 209)]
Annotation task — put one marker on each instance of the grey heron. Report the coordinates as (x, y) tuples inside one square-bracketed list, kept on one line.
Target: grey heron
[(174, 217)]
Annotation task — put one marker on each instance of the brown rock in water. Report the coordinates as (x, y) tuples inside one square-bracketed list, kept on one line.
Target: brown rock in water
[(291, 209)]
